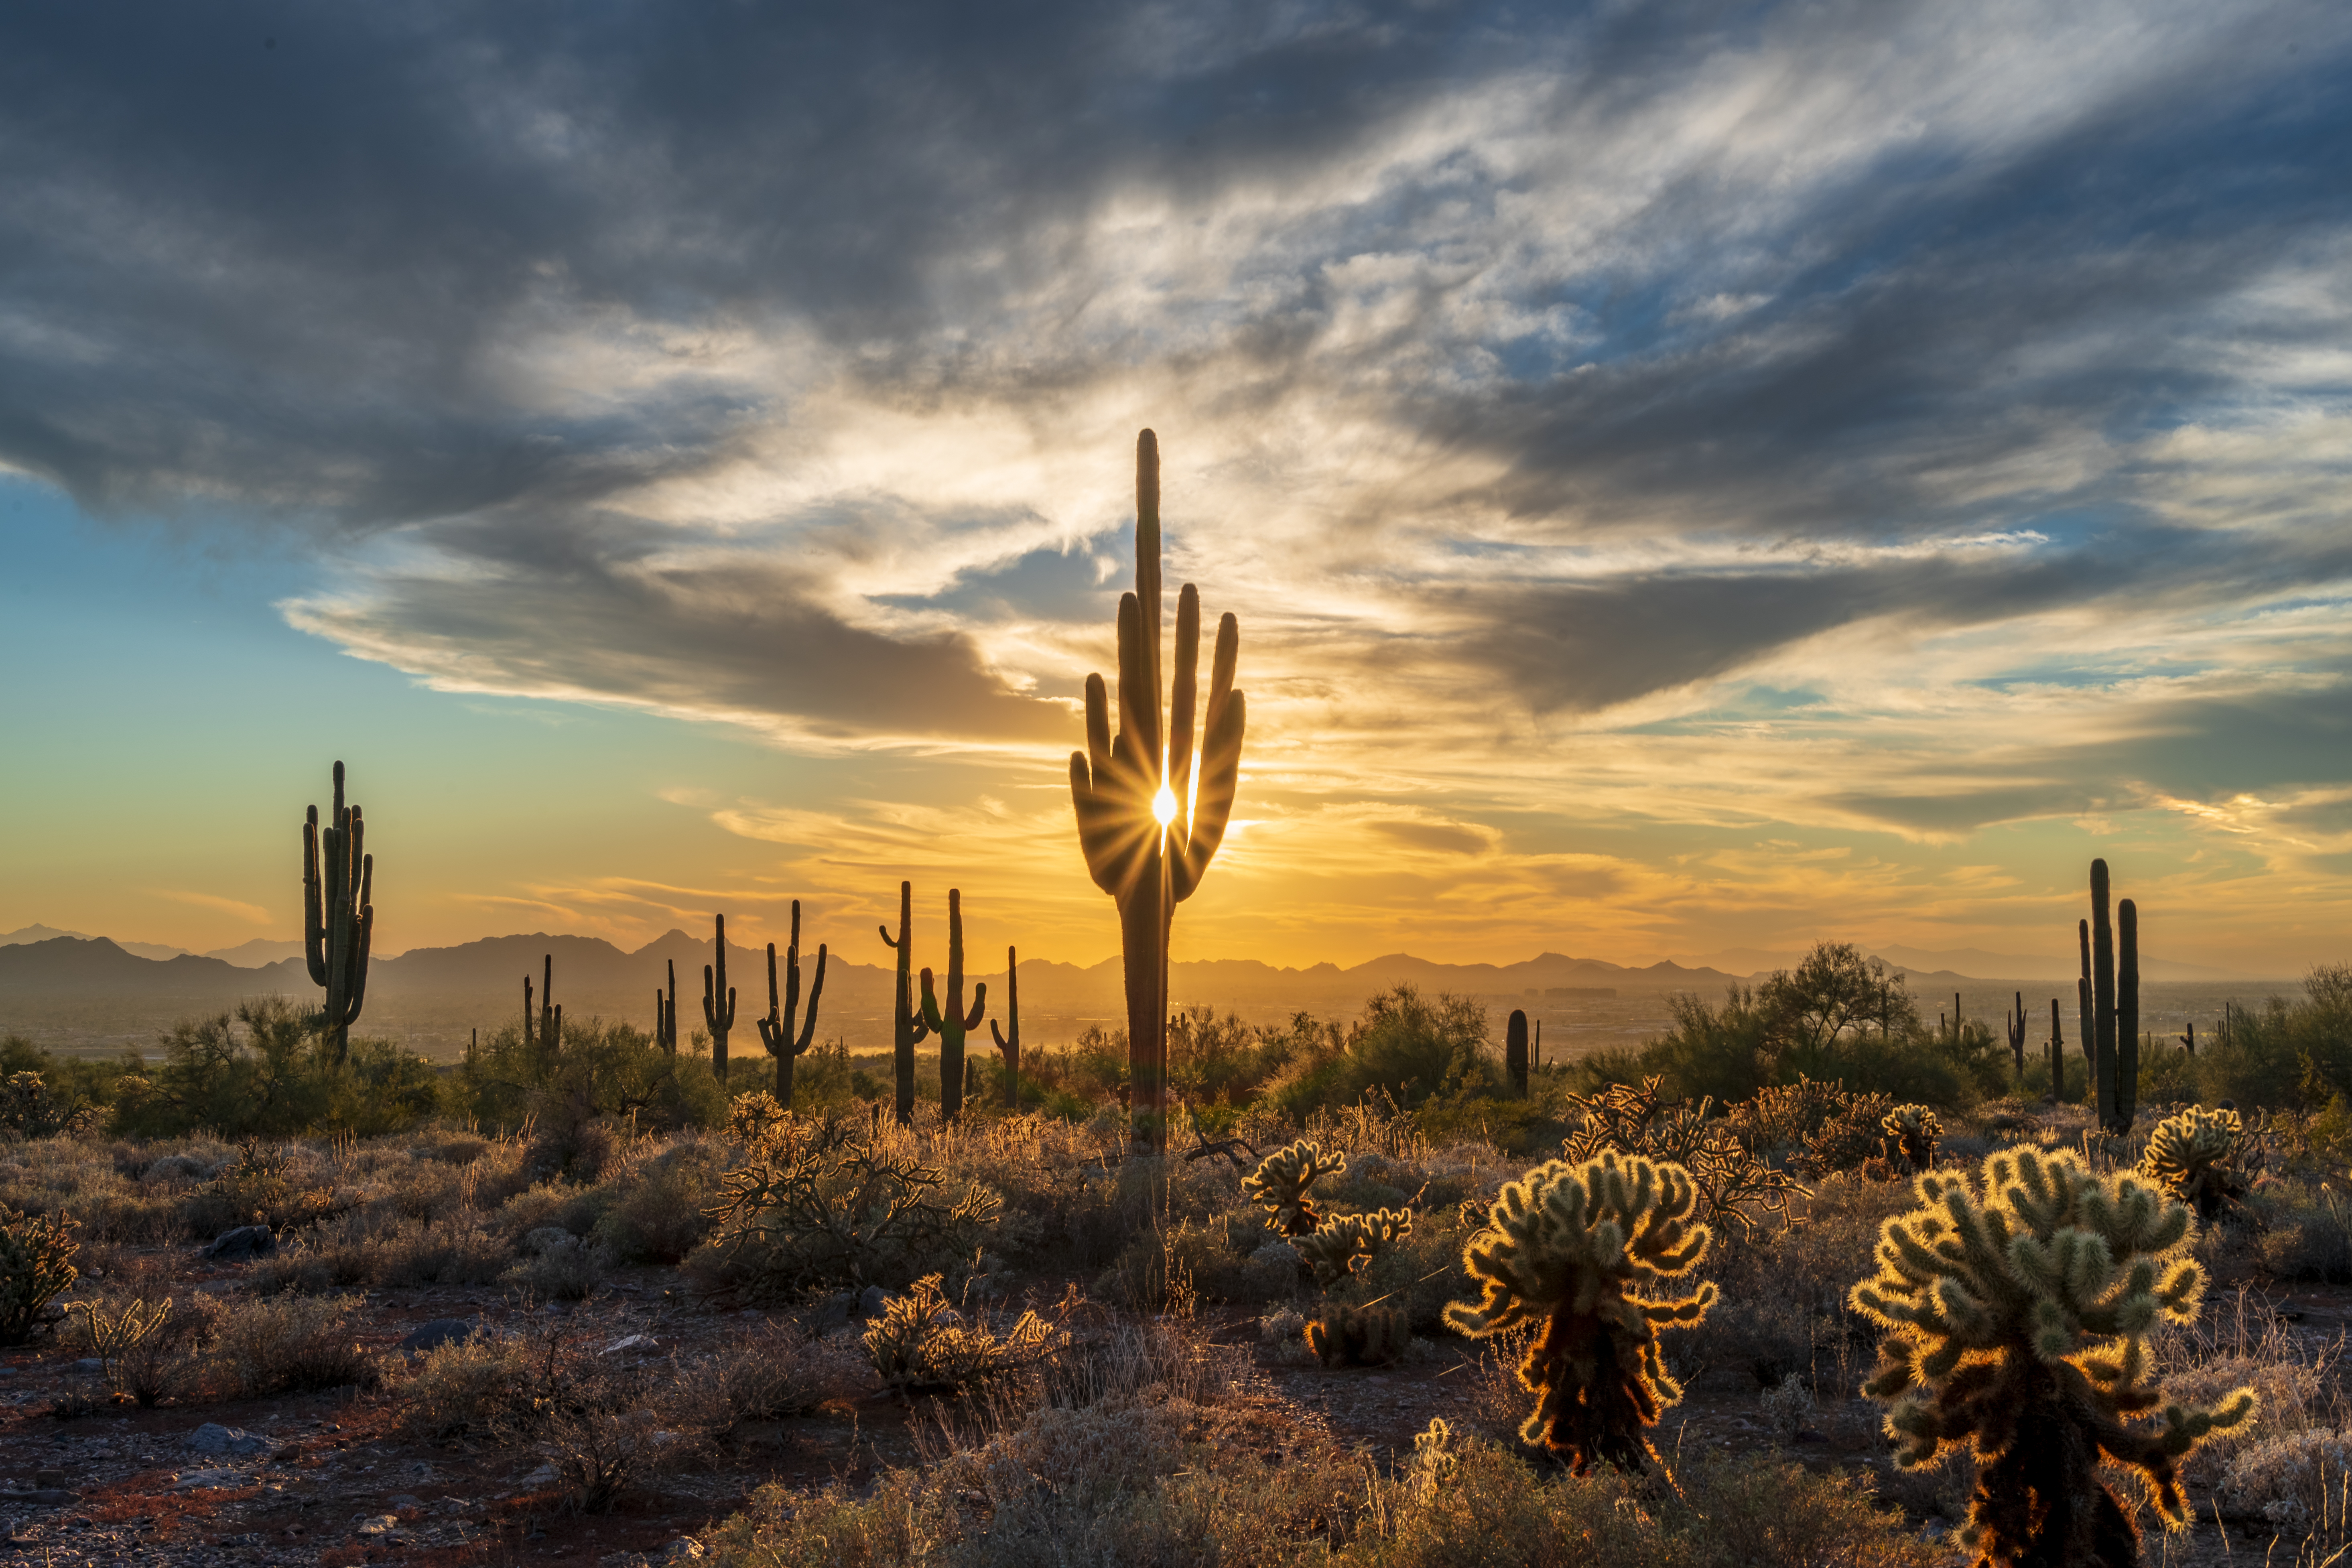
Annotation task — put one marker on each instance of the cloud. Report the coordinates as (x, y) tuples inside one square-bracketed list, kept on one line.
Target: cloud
[(242, 910)]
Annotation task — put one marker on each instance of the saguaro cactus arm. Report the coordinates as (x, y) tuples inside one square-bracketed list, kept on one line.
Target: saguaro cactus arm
[(1008, 1038), (907, 1030), (952, 1024)]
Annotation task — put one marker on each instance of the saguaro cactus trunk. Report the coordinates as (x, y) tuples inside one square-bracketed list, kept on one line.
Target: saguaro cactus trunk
[(907, 1025), (719, 1007), (1008, 1038), (2102, 995), (951, 1023), (338, 914), (665, 1013), (2126, 1013), (776, 1028), (2082, 1010), (1148, 822), (544, 1032), (1515, 1051), (2057, 1055)]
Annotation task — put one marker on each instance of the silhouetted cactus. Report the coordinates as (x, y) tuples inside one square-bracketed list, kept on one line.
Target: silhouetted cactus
[(719, 1006), (1008, 1038), (951, 1023), (1358, 1336), (666, 1014), (2014, 1022), (36, 1254), (2017, 1307), (2086, 1012), (1514, 1052), (544, 1029), (907, 1025), (1579, 1249), (1336, 1246), (2126, 1014), (2113, 991), (337, 915), (1147, 832), (2197, 1157), (1912, 1134), (1280, 1184), (776, 1028)]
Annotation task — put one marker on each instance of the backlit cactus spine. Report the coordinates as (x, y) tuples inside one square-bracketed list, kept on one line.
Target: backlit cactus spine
[(1336, 1248), (1280, 1184), (1585, 1250), (2017, 1307), (719, 1006), (1148, 827), (776, 1029), (1008, 1038), (1358, 1336), (337, 915), (2195, 1158), (951, 1023), (907, 1026)]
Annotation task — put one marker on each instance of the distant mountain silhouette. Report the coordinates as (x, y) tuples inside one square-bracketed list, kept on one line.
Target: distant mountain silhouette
[(33, 933), (253, 954)]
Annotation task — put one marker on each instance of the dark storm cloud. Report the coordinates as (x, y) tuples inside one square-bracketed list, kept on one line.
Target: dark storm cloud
[(308, 263)]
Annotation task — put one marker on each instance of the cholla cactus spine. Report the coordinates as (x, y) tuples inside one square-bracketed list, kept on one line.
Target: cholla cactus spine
[(1912, 1134), (1579, 1249), (1334, 1249), (1997, 1296), (1281, 1181), (2194, 1157), (36, 1254)]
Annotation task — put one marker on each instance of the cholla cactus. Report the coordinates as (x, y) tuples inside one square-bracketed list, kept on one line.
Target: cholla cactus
[(1280, 1182), (1912, 1134), (36, 1253), (922, 1345), (1581, 1249), (1334, 1251), (2018, 1308), (1358, 1336), (2196, 1157)]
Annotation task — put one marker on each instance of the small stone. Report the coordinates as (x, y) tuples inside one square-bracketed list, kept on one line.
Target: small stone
[(49, 1477), (543, 1476), (382, 1524), (834, 1310), (186, 1480), (212, 1438), (869, 1301), (89, 1363), (682, 1549), (632, 1343), (438, 1332), (243, 1245)]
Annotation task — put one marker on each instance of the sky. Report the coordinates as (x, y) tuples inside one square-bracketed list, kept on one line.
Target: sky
[(1689, 475)]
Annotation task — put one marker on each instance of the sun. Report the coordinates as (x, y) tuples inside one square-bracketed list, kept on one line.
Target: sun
[(1163, 806)]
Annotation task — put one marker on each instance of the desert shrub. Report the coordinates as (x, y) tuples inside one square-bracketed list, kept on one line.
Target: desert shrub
[(481, 1386), (768, 1374), (1224, 1260), (30, 1108), (568, 1271), (1779, 1120), (2308, 1237), (831, 1204), (145, 1347), (1849, 1138), (920, 1345), (1214, 1060), (658, 1214), (597, 1074), (36, 1267), (260, 1188), (1734, 1185), (292, 1343), (1410, 1048), (1418, 1273), (1582, 1250), (2017, 1307)]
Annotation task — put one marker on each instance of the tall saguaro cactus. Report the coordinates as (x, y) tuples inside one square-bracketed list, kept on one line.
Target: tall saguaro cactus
[(665, 1013), (719, 1006), (546, 1030), (776, 1029), (2084, 1009), (907, 1025), (951, 1023), (338, 914), (2057, 1055), (1514, 1052), (1148, 820), (2114, 990), (2015, 1024), (1008, 1038)]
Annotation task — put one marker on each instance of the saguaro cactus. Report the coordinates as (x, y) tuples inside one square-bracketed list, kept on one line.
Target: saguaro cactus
[(2015, 1024), (543, 1030), (1008, 1038), (776, 1028), (2084, 1012), (337, 915), (719, 1006), (2057, 1055), (1148, 822), (665, 1013), (2126, 1013), (2102, 995), (2017, 1309), (907, 1025), (1581, 1249), (951, 1023), (2114, 990), (1514, 1052)]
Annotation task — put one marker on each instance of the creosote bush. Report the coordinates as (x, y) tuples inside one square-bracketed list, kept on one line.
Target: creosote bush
[(2017, 1307), (1579, 1249)]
